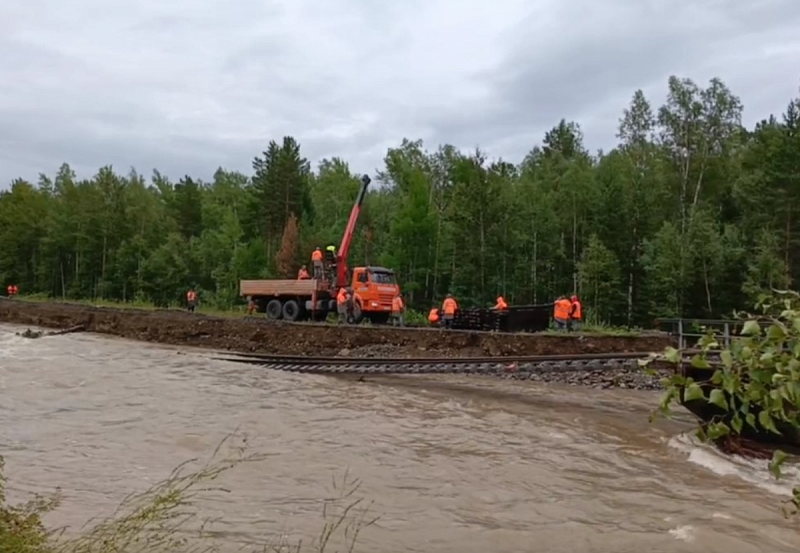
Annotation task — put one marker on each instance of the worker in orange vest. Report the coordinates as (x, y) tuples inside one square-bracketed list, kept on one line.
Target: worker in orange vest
[(501, 304), (12, 290), (398, 308), (576, 313), (561, 311), (302, 274), (191, 299), (316, 262), (449, 308), (433, 316), (341, 304)]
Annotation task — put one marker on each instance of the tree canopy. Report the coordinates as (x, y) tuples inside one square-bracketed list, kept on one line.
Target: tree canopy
[(691, 214)]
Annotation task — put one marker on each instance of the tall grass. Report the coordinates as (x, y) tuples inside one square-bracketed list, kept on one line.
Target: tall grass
[(165, 518)]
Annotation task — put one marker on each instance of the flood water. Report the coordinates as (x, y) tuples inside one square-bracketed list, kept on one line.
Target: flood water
[(452, 464)]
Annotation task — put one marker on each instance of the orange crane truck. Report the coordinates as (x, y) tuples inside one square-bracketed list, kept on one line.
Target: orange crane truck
[(315, 298)]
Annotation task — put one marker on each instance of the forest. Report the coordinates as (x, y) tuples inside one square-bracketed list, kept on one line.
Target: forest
[(691, 214)]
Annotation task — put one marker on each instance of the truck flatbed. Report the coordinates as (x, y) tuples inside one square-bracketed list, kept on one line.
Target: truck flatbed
[(281, 287)]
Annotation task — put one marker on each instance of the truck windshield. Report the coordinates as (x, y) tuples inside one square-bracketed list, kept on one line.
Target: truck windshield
[(383, 278)]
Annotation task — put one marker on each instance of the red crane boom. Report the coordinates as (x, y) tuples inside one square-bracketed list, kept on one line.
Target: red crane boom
[(344, 248)]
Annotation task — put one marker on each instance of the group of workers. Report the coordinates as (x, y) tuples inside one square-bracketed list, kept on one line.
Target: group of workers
[(447, 313), (567, 313)]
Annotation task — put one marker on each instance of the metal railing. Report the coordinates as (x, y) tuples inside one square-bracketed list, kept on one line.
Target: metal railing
[(689, 331)]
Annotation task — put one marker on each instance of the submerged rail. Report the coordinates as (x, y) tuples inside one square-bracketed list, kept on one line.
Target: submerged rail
[(439, 365)]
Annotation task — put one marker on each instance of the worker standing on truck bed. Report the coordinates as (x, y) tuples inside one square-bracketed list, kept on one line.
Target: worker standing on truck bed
[(449, 308), (302, 274), (433, 316), (397, 310), (561, 310), (191, 299), (329, 263), (316, 262), (341, 305), (575, 314)]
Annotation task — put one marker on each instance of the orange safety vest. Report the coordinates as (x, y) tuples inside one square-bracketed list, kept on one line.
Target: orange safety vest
[(433, 316), (501, 303), (397, 305), (341, 298), (316, 256), (302, 274), (449, 306), (562, 308), (577, 313), (191, 295)]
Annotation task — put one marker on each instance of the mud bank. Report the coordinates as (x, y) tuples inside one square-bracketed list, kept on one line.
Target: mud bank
[(262, 336)]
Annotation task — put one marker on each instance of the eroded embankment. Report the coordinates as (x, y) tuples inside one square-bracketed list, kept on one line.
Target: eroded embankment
[(259, 335)]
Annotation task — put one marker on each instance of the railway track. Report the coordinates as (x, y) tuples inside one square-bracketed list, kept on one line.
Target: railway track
[(438, 365)]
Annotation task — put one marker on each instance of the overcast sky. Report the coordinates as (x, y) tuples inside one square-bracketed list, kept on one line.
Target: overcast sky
[(187, 86)]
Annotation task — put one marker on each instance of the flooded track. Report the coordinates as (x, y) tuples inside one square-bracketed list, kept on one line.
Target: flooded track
[(453, 464)]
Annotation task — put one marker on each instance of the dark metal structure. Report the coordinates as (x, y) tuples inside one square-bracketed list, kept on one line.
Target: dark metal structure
[(519, 318)]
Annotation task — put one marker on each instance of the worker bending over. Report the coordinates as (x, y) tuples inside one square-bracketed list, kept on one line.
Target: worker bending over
[(398, 308), (575, 314), (316, 262), (449, 308), (501, 304), (302, 274), (561, 311), (433, 316)]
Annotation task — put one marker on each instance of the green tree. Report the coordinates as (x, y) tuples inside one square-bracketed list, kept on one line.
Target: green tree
[(599, 273)]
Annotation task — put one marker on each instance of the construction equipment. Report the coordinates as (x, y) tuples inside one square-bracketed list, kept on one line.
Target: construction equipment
[(296, 300)]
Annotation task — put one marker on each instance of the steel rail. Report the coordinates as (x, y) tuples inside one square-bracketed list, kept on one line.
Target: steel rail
[(338, 360)]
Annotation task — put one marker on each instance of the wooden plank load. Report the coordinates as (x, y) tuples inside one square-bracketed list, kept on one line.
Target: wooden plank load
[(520, 318), (277, 287)]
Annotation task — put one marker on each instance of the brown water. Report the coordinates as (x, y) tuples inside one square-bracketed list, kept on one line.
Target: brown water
[(453, 464)]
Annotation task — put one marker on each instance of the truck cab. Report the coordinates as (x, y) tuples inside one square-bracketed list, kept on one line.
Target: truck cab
[(376, 288)]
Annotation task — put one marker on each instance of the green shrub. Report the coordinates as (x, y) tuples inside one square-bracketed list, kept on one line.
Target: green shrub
[(756, 381)]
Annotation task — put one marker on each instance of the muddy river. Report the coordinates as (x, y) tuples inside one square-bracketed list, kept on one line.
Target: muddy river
[(451, 464)]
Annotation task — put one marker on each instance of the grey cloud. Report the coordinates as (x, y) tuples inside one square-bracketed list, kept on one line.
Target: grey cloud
[(588, 68), (145, 83)]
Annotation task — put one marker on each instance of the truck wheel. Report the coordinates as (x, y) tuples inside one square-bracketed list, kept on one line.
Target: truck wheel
[(274, 309), (291, 310)]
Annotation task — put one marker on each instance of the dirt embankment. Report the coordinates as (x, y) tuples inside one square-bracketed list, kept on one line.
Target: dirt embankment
[(262, 336)]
